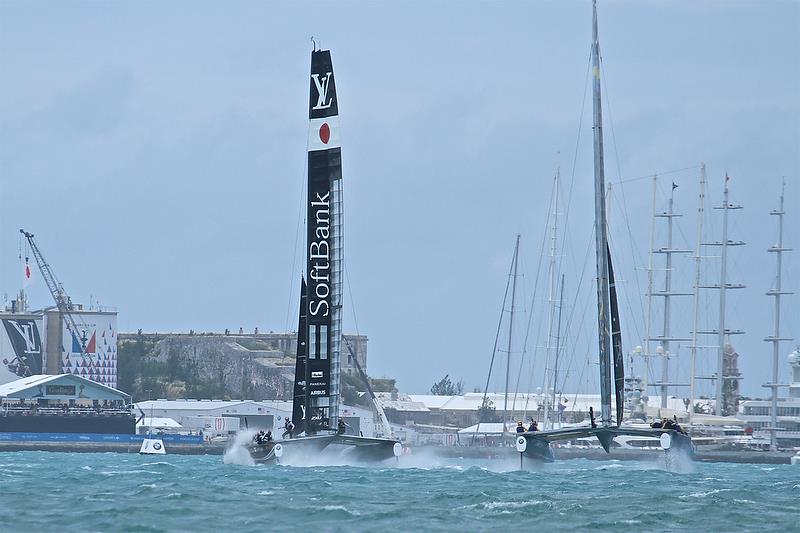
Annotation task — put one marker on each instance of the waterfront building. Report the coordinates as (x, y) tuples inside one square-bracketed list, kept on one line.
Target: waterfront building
[(63, 403), (225, 415), (756, 413)]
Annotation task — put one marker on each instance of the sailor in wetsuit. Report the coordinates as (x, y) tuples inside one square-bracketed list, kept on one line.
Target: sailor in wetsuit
[(341, 427), (534, 426), (288, 428), (520, 427), (677, 427)]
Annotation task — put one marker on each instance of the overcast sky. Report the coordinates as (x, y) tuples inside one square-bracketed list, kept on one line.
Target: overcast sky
[(157, 151)]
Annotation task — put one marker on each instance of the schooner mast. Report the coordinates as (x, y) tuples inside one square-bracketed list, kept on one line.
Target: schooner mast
[(724, 375), (667, 293), (696, 290), (776, 338)]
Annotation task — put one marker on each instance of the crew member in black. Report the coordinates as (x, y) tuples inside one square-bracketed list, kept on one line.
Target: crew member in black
[(268, 436), (591, 417), (677, 427), (341, 427), (520, 427), (288, 427), (534, 426)]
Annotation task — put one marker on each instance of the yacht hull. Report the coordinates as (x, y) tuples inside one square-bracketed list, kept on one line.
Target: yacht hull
[(675, 445), (349, 448)]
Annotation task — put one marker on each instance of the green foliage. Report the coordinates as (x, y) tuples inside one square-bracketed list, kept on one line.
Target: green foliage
[(487, 412), (351, 385), (138, 371), (383, 384), (445, 387)]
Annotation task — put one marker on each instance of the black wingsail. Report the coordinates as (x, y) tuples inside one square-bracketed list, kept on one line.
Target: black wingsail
[(616, 343), (324, 246), (300, 404)]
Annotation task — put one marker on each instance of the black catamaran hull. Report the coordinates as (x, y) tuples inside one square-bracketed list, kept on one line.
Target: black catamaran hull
[(264, 453), (676, 445), (339, 447)]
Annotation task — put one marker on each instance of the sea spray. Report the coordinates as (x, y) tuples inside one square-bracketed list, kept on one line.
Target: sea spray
[(236, 453)]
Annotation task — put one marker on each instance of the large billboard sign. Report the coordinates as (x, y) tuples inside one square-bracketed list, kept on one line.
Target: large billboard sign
[(20, 348), (91, 352)]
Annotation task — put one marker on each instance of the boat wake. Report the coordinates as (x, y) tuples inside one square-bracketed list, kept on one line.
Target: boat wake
[(237, 453), (679, 462)]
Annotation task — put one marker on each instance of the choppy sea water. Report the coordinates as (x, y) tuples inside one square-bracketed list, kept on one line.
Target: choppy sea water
[(42, 491)]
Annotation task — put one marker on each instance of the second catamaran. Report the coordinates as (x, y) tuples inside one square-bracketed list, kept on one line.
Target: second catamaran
[(536, 444)]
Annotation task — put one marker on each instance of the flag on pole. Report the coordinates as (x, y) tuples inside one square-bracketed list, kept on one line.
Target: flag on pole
[(27, 274)]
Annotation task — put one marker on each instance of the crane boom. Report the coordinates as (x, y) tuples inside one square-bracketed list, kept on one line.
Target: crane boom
[(62, 299)]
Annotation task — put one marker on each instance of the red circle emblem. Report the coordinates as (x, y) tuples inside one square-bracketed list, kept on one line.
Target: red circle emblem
[(325, 133)]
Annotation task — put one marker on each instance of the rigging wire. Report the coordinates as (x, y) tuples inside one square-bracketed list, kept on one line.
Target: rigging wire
[(566, 232), (530, 315), (494, 349), (301, 221), (635, 252), (572, 311), (660, 172), (575, 157)]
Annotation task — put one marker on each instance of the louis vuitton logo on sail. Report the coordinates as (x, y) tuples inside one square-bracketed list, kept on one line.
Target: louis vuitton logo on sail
[(322, 90), (319, 256)]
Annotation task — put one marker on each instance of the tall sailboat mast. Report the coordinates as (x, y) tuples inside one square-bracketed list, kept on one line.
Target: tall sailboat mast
[(551, 299), (776, 338), (648, 320), (666, 336), (724, 375), (696, 296), (557, 402), (722, 286), (511, 329), (601, 239)]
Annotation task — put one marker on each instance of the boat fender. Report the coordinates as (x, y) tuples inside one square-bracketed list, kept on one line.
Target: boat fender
[(278, 450), (522, 444), (666, 441)]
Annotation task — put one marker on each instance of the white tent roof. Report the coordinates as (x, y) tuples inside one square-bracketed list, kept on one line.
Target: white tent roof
[(486, 428), (201, 405), (158, 422), (15, 389)]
